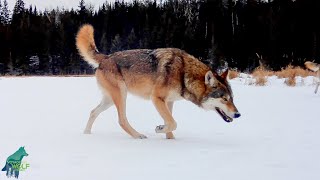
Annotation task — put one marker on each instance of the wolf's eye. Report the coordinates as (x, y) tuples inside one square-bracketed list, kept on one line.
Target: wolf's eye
[(224, 98)]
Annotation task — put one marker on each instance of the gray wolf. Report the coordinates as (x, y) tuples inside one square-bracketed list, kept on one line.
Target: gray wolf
[(161, 75), (315, 68)]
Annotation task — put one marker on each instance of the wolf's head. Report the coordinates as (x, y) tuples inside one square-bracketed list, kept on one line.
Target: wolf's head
[(219, 97), (22, 152)]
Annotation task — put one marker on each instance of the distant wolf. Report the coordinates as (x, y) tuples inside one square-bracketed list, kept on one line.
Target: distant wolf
[(161, 75), (13, 163), (315, 68)]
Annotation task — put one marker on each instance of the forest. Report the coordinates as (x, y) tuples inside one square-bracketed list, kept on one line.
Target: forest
[(238, 34)]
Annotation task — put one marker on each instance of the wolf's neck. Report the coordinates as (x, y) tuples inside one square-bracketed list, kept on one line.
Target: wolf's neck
[(191, 97), (194, 86), (193, 89)]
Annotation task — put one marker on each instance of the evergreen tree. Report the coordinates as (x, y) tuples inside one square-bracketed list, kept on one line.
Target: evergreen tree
[(83, 12), (117, 44), (82, 5), (19, 7), (5, 13), (132, 40), (218, 31), (1, 14), (104, 43)]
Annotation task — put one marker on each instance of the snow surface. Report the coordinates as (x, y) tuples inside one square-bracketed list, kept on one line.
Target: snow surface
[(276, 138)]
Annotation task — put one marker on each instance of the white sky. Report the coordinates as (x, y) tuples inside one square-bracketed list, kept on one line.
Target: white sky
[(52, 4)]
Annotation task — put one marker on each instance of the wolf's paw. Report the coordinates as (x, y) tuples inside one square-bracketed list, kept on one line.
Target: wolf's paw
[(161, 129), (87, 131), (170, 135), (140, 136), (166, 128)]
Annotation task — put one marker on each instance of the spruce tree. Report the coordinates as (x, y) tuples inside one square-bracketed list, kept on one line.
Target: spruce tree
[(83, 12), (104, 43), (5, 13), (132, 40), (19, 7), (116, 44), (1, 13)]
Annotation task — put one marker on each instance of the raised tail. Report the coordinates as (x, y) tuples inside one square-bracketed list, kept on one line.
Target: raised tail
[(86, 45), (312, 66)]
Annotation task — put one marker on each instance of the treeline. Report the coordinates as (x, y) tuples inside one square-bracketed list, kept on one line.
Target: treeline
[(219, 32)]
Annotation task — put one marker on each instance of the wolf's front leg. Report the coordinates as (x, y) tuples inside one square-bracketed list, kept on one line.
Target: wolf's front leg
[(170, 135), (169, 123)]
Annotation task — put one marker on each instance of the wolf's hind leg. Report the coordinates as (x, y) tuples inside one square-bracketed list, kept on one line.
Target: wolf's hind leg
[(170, 135), (105, 103), (169, 123)]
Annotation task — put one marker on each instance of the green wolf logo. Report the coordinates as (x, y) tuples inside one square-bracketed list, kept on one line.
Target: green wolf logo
[(13, 163)]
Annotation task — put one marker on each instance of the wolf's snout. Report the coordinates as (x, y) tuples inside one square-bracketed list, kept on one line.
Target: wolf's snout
[(237, 114)]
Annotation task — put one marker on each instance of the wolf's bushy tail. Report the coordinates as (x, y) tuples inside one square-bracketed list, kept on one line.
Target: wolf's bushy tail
[(312, 66), (86, 45)]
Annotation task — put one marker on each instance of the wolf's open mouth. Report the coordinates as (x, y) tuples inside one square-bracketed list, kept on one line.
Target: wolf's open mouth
[(223, 115)]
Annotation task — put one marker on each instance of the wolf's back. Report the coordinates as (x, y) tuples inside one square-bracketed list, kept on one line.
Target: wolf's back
[(86, 45)]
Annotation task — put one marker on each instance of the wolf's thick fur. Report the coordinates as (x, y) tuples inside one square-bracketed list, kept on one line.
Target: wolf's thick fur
[(315, 68), (162, 75)]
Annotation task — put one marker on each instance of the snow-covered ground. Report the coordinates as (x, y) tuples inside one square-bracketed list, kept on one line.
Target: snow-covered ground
[(277, 136), (247, 79)]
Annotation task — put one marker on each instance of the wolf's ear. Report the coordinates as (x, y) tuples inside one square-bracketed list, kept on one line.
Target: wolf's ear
[(225, 74), (209, 78)]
